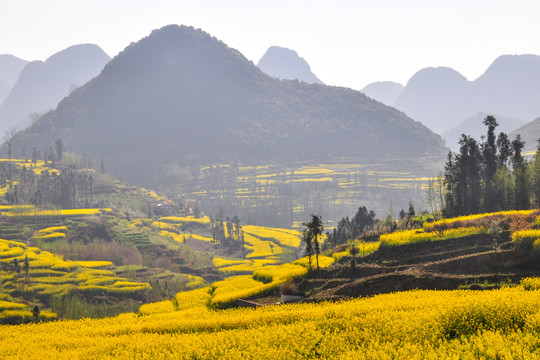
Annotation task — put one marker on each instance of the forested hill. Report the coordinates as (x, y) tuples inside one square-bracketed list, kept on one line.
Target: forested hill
[(180, 96)]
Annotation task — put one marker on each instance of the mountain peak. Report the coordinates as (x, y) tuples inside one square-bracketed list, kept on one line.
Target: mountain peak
[(42, 84), (283, 63), (180, 97), (386, 92), (431, 90)]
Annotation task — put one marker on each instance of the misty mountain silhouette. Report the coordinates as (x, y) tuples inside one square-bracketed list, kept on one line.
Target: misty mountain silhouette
[(386, 92), (530, 133), (510, 86), (181, 97), (473, 126), (41, 85), (283, 63), (440, 98), (10, 68), (437, 97)]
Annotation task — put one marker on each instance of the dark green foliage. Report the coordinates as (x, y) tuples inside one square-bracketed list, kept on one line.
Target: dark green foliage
[(350, 229), (235, 235), (311, 235), (491, 176), (35, 312), (353, 251), (59, 149)]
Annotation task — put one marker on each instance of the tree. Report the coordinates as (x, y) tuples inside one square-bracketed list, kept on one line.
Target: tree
[(520, 175), (10, 133), (59, 148), (312, 233), (411, 212), (306, 238), (26, 268), (17, 266), (489, 155), (35, 312), (35, 155), (102, 167), (353, 251), (535, 170), (504, 148)]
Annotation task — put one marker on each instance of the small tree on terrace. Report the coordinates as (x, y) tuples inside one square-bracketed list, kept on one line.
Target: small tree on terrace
[(306, 237), (353, 251), (311, 235)]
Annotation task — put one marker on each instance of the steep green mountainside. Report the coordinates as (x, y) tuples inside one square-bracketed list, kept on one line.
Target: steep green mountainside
[(181, 97)]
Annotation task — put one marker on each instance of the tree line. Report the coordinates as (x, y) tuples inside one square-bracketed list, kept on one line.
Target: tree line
[(490, 175), (228, 234)]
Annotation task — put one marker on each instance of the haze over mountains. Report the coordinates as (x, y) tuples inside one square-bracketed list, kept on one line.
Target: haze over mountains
[(10, 68), (283, 63), (473, 126), (530, 133), (441, 98), (181, 97), (386, 92), (41, 85)]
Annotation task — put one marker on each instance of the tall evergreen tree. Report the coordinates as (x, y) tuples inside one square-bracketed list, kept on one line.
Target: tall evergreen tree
[(520, 175), (490, 164), (312, 233)]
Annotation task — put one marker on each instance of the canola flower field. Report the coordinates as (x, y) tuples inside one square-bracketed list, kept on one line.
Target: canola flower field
[(460, 324), (49, 275), (465, 324), (263, 245)]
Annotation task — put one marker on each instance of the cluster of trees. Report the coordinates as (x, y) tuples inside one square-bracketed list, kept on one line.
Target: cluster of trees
[(311, 236), (348, 229), (48, 155), (491, 175), (70, 189), (228, 234)]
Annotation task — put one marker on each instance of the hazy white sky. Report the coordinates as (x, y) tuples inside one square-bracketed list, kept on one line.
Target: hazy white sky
[(346, 42)]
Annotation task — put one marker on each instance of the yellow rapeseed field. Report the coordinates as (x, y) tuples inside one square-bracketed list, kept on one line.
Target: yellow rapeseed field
[(464, 324)]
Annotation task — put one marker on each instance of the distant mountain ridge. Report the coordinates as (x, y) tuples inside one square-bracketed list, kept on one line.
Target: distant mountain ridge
[(181, 97), (530, 133), (41, 85), (437, 97), (386, 92), (283, 63), (441, 97), (10, 68), (474, 127)]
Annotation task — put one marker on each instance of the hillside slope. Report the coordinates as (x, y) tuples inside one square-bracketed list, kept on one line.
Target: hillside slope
[(181, 97)]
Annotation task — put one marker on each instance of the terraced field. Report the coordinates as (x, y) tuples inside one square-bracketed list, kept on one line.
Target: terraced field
[(283, 196)]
